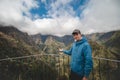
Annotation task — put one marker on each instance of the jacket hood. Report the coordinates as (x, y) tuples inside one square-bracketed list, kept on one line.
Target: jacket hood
[(84, 39)]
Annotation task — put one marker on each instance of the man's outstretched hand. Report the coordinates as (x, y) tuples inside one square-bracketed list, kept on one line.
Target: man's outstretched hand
[(60, 50)]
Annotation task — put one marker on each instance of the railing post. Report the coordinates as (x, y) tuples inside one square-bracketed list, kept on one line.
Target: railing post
[(99, 70), (108, 76), (44, 70), (59, 65), (63, 66), (69, 68), (119, 68), (93, 74), (50, 62), (42, 76)]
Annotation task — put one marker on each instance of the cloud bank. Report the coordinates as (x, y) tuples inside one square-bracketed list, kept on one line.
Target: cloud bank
[(61, 18)]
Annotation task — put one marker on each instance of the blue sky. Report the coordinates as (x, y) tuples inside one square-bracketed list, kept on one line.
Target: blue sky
[(61, 17), (42, 11)]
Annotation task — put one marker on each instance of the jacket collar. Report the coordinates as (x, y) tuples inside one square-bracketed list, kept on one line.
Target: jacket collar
[(82, 40)]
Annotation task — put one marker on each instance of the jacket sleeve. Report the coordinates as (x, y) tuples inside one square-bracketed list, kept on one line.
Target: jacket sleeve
[(68, 52), (88, 60)]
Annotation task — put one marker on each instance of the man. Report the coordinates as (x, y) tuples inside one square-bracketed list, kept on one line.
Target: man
[(81, 57)]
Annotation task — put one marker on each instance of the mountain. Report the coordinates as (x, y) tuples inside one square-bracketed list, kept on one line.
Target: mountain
[(38, 38), (94, 36), (101, 37), (109, 39), (16, 34), (10, 47), (113, 43), (106, 36), (68, 39), (50, 45), (14, 43)]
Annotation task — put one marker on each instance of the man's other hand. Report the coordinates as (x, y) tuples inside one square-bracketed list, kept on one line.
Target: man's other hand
[(84, 78)]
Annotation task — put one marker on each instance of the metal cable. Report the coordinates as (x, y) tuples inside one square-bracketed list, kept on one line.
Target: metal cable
[(22, 57)]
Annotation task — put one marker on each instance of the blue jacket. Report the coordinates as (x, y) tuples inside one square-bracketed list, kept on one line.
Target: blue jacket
[(81, 57)]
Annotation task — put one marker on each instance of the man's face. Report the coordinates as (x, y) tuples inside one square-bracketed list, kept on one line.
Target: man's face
[(77, 36)]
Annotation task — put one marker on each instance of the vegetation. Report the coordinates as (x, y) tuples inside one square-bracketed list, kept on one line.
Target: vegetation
[(14, 43), (22, 69)]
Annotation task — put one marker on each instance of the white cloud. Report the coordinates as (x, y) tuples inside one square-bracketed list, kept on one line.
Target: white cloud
[(102, 15), (97, 17), (11, 11), (56, 26), (61, 8)]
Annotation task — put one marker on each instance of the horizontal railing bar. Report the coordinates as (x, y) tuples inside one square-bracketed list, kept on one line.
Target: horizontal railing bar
[(106, 59), (22, 57)]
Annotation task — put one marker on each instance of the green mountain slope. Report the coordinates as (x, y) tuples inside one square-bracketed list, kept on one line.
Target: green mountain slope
[(104, 66), (51, 46), (15, 45), (16, 34), (10, 47), (114, 44)]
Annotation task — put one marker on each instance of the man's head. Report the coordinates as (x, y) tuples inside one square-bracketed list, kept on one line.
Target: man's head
[(77, 34)]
